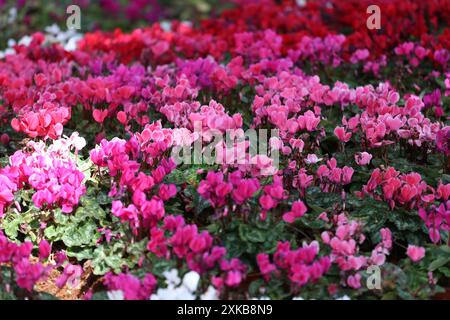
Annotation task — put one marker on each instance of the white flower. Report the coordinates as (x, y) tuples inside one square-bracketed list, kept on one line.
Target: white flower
[(25, 40), (166, 25), (53, 29), (210, 294), (190, 281), (172, 278), (71, 44), (115, 295), (262, 298), (11, 43), (345, 297), (183, 290), (180, 293), (6, 52), (77, 141), (12, 15)]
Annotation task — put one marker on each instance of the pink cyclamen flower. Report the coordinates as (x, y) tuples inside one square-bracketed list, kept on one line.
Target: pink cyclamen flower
[(122, 117), (354, 281), (71, 275), (415, 253), (99, 115), (312, 159), (44, 249), (297, 211), (363, 158), (4, 139), (342, 135), (266, 202)]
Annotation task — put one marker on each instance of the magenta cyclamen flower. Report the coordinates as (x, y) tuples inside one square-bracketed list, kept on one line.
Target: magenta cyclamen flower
[(131, 287), (297, 211), (50, 171), (44, 249), (443, 140), (302, 265), (342, 135), (215, 189), (437, 219)]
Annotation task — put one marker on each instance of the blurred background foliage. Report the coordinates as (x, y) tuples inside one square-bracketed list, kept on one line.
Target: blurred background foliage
[(22, 17)]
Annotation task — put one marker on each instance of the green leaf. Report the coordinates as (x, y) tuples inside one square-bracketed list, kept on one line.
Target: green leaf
[(439, 262)]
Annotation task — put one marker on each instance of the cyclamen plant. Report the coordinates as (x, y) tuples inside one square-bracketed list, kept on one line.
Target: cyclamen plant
[(90, 189)]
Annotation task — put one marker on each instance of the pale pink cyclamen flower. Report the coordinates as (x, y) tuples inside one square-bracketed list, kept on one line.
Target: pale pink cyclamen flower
[(415, 253), (363, 158), (354, 281), (71, 276), (312, 159), (359, 55)]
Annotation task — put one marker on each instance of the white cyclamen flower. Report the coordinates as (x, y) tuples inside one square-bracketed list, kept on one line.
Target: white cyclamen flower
[(172, 278), (210, 294), (115, 295), (190, 281)]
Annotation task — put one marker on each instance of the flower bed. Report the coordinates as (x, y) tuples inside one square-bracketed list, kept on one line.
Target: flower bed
[(355, 184)]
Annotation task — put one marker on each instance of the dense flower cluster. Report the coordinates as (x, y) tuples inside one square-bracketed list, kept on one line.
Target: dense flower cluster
[(49, 171), (361, 177), (299, 264)]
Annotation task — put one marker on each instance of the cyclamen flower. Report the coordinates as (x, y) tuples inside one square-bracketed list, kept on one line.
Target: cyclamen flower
[(51, 172), (71, 276), (215, 189), (359, 55), (415, 253), (363, 158), (312, 159), (443, 140), (243, 189), (354, 281), (330, 174), (436, 218), (45, 121), (167, 191), (303, 180), (4, 139), (44, 250), (308, 121), (27, 274), (234, 271), (378, 256), (7, 189), (297, 211), (264, 265), (130, 287), (301, 265), (100, 115), (342, 135), (176, 291), (267, 202), (405, 190), (122, 117)]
